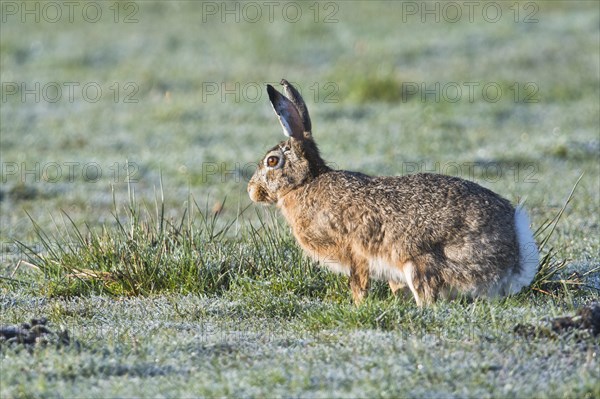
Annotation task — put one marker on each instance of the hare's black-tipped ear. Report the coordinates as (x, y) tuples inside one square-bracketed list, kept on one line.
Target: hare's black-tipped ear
[(293, 94), (288, 114)]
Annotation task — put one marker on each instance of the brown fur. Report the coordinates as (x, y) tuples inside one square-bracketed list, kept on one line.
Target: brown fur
[(441, 233)]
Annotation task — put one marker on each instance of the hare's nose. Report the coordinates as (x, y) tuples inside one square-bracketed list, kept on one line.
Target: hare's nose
[(251, 190)]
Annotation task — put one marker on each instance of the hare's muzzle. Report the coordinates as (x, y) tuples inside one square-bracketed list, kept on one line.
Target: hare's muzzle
[(258, 192), (255, 191), (252, 192)]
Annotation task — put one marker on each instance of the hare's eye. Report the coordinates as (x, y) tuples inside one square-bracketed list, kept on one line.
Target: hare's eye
[(272, 161)]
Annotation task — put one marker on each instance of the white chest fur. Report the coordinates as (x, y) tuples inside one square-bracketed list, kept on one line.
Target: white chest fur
[(378, 269), (381, 270), (336, 267)]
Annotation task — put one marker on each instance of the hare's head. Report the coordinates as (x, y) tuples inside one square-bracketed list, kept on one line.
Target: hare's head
[(291, 163)]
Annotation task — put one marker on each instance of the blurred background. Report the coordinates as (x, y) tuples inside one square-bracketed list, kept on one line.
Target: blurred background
[(98, 93)]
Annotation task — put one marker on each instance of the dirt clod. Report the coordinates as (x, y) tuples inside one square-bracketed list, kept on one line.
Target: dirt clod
[(36, 331), (585, 321)]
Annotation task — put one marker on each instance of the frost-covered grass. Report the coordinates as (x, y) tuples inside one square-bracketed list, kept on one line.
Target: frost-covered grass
[(168, 299), (173, 345)]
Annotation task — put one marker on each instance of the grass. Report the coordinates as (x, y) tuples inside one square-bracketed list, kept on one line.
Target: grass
[(148, 254), (548, 276), (175, 285), (221, 303)]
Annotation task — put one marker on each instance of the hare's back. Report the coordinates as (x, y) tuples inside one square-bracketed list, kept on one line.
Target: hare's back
[(444, 200), (434, 192), (432, 201), (438, 203)]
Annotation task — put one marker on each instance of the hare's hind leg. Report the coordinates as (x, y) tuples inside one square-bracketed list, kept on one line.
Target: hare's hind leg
[(409, 271), (421, 279)]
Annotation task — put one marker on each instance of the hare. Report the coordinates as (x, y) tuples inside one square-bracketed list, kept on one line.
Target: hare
[(432, 235)]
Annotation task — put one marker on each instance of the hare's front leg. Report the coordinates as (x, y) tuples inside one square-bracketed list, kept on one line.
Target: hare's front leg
[(359, 281)]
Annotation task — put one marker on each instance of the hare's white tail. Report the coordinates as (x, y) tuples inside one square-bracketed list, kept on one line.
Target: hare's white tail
[(529, 256)]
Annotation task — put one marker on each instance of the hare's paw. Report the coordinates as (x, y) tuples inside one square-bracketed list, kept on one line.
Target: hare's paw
[(400, 289)]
